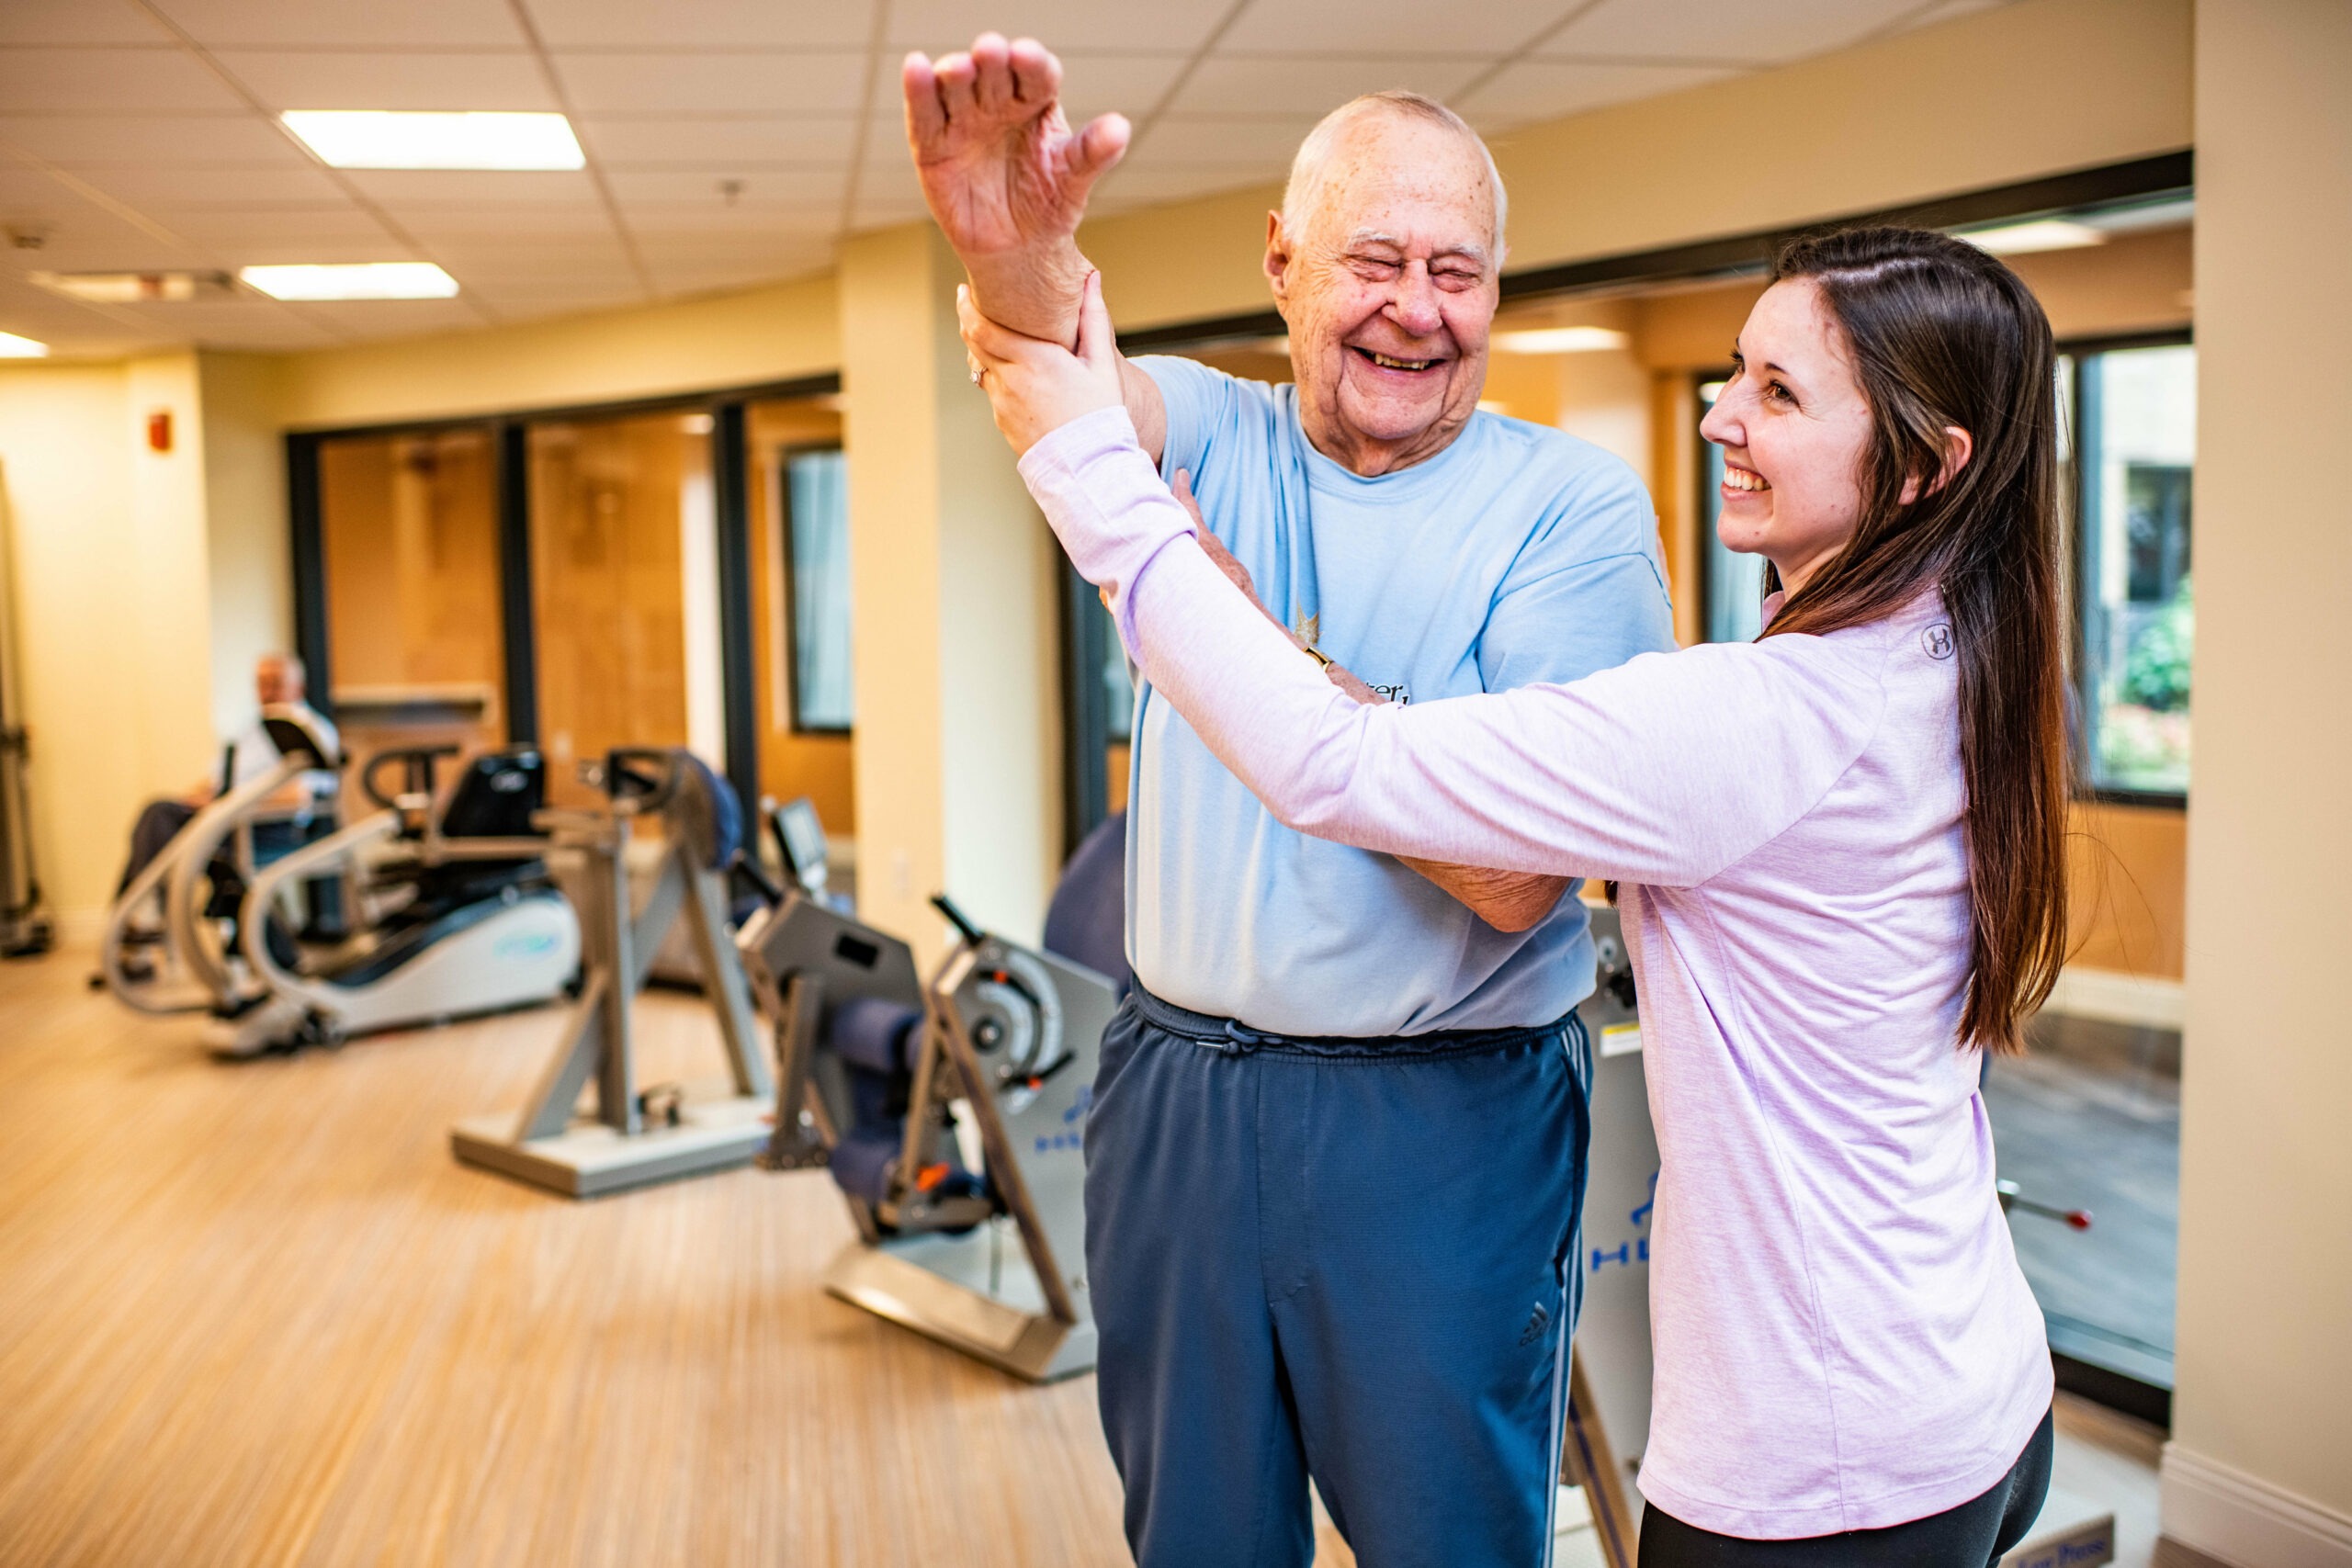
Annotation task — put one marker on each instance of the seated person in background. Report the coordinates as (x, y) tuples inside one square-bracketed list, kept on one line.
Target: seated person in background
[(278, 678)]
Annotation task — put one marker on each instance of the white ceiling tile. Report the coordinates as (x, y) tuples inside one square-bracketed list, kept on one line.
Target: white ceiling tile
[(1950, 10), (699, 24), (1231, 85), (495, 189), (888, 172), (700, 188), (346, 24), (435, 225), (1410, 27), (102, 81), (743, 83), (250, 250), (75, 140), (29, 193), (1147, 182), (341, 223), (160, 191), (756, 229), (533, 255), (1735, 31), (1267, 144), (295, 79), (1542, 89), (942, 27), (76, 21), (701, 143), (388, 318)]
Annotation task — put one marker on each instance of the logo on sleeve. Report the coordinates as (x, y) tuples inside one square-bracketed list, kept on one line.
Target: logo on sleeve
[(1937, 640)]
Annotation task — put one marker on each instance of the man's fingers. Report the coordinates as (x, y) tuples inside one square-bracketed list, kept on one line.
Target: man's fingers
[(991, 74), (926, 121), (1093, 150), (1183, 490), (954, 74), (1036, 74)]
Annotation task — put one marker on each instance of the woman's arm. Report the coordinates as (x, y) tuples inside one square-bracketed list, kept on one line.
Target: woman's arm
[(1661, 772)]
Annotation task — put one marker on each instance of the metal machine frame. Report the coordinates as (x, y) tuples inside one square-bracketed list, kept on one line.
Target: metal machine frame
[(634, 1137), (1009, 1039)]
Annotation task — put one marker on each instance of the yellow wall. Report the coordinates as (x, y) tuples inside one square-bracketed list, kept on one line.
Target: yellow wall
[(113, 624), (955, 628), (775, 333), (245, 509), (2262, 1420)]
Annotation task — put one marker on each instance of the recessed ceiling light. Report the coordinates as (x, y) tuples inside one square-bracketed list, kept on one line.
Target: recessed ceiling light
[(134, 287), (405, 139), (15, 347), (2040, 235), (353, 280), (1561, 339)]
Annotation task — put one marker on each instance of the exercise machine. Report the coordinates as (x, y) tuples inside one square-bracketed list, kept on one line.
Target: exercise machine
[(25, 926), (190, 962), (951, 1115), (477, 925), (635, 1136)]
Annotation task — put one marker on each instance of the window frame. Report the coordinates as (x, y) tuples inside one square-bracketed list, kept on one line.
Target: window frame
[(510, 429), (791, 606), (2078, 566)]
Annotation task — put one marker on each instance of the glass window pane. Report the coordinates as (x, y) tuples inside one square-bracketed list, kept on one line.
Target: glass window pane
[(624, 562), (819, 765), (2138, 447), (817, 519), (409, 534)]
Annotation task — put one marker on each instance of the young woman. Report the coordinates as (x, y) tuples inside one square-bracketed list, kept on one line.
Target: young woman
[(1841, 855)]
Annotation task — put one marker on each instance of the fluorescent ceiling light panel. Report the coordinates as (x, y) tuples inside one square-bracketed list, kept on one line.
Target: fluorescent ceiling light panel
[(405, 139), (134, 287), (2041, 235), (1561, 339), (15, 347), (355, 281)]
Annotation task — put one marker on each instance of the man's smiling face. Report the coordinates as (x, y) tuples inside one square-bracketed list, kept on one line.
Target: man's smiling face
[(1389, 284)]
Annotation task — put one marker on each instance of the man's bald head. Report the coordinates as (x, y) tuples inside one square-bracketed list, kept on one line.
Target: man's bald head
[(1303, 196), (280, 677)]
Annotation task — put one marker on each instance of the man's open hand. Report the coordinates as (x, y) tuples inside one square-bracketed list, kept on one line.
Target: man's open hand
[(1006, 178)]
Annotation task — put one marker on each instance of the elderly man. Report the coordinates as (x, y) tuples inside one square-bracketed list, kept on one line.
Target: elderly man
[(278, 678), (1336, 1148)]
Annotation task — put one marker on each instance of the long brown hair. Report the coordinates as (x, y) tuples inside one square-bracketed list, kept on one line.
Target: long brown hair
[(1941, 334)]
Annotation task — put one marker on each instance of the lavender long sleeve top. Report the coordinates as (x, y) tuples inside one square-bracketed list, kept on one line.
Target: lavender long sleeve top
[(1843, 1339)]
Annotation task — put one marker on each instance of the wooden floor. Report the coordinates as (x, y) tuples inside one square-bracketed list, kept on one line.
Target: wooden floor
[(258, 1315)]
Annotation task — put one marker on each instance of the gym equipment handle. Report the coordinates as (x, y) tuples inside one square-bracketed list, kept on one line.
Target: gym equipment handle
[(956, 918)]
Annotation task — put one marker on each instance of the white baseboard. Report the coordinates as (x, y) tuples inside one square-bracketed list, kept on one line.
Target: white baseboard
[(2244, 1520), (2119, 998)]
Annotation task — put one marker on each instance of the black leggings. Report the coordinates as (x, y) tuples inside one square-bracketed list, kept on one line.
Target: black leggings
[(1973, 1534)]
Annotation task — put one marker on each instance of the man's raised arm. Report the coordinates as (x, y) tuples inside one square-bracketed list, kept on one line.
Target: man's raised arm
[(1007, 181)]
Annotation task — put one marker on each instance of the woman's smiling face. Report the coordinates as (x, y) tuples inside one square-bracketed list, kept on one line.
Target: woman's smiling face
[(1793, 425)]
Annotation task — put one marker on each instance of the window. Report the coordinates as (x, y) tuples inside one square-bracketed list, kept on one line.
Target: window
[(2135, 443), (816, 523), (1733, 584)]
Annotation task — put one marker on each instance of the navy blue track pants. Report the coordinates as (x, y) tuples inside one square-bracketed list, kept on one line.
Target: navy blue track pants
[(1348, 1260)]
